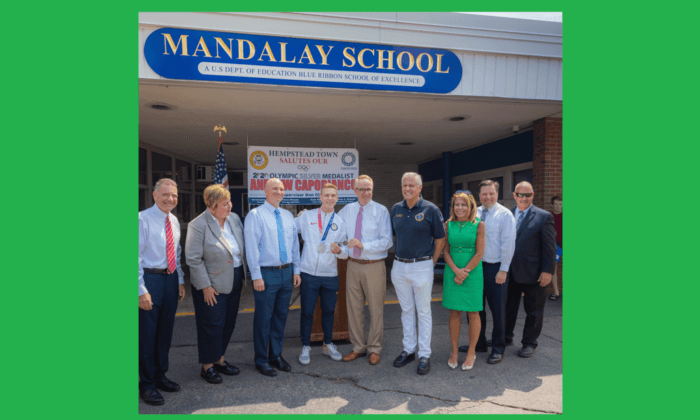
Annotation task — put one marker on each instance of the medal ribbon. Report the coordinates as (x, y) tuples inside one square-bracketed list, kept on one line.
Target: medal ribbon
[(327, 227)]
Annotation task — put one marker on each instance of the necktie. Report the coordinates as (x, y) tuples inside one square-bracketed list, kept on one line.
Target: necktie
[(358, 234), (280, 237), (170, 245), (520, 220), (483, 215)]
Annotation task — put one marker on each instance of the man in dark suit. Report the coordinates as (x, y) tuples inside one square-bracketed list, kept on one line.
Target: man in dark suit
[(532, 267)]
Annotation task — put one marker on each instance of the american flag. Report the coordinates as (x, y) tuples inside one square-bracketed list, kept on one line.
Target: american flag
[(221, 175)]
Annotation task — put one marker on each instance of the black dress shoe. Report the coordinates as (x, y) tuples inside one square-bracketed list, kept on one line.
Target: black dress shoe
[(211, 376), (167, 385), (266, 370), (227, 369), (404, 359), (526, 351), (465, 349), (494, 358), (151, 397), (423, 366), (281, 364), (509, 342)]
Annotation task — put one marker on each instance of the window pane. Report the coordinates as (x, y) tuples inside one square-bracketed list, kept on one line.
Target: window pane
[(473, 186), (456, 187), (521, 176), (183, 174), (199, 205), (500, 186), (161, 166), (235, 179), (427, 192), (143, 166), (183, 207), (142, 198)]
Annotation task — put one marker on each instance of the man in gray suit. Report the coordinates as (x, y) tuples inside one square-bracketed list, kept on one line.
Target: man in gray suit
[(531, 268), (215, 252)]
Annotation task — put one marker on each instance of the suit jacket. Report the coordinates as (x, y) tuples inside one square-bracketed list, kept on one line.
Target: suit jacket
[(535, 246), (208, 254)]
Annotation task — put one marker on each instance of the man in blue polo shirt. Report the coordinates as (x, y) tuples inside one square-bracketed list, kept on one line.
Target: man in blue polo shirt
[(420, 237)]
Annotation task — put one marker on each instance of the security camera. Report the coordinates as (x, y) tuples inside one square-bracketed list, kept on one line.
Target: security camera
[(516, 129)]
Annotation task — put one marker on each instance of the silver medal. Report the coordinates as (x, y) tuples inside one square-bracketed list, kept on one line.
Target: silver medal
[(321, 247)]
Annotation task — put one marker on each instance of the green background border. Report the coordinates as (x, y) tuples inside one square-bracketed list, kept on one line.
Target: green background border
[(72, 129)]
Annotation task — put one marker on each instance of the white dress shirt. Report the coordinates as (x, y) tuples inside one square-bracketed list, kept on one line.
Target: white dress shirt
[(500, 235), (232, 243), (323, 264), (376, 234), (153, 243), (261, 241)]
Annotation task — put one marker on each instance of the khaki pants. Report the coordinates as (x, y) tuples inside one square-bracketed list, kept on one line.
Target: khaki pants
[(366, 282)]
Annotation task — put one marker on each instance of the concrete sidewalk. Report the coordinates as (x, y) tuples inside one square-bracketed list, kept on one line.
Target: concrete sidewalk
[(516, 385)]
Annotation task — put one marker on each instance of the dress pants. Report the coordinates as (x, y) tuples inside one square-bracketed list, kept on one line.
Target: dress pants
[(366, 282), (271, 308), (413, 283), (156, 328), (311, 288), (215, 324), (534, 300), (497, 296)]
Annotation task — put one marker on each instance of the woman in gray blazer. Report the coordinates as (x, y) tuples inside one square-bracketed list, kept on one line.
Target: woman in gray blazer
[(215, 252)]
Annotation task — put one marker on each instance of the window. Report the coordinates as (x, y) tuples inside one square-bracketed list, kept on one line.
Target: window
[(161, 166), (183, 207), (521, 176), (183, 174), (143, 166), (143, 192)]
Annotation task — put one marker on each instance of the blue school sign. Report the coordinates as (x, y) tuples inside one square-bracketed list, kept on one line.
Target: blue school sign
[(242, 58)]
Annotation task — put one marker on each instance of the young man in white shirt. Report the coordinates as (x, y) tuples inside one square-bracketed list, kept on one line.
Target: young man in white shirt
[(325, 240)]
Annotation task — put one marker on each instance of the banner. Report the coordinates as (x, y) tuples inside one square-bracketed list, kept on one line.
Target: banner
[(303, 171), (188, 54)]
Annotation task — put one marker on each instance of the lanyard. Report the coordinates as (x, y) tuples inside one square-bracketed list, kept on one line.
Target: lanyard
[(320, 224)]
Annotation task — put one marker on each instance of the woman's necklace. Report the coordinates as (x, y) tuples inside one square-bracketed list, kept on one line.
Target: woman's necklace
[(461, 225)]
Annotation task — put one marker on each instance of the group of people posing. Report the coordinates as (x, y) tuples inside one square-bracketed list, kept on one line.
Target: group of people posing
[(492, 255)]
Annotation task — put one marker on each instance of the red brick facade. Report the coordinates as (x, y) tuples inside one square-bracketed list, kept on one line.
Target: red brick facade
[(547, 168)]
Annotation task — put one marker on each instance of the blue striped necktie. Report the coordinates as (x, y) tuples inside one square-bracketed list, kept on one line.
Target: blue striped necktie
[(520, 220), (280, 237)]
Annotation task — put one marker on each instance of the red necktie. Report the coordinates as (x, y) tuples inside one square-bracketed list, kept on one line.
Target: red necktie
[(170, 246)]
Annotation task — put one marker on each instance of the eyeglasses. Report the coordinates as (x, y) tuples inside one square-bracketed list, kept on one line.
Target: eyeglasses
[(523, 195), (364, 190), (465, 192)]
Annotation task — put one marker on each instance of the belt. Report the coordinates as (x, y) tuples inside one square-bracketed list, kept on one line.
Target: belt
[(365, 261), (414, 259), (165, 271), (278, 267)]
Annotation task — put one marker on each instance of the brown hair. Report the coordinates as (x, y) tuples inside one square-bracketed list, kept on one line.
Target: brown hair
[(488, 183), (471, 217)]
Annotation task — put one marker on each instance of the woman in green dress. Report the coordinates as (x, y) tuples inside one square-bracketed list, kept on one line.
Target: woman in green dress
[(463, 282)]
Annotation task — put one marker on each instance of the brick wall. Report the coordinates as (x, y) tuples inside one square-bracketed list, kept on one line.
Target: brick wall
[(547, 167)]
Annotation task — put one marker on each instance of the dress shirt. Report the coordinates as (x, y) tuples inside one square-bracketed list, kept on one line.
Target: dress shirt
[(376, 235), (153, 243), (231, 240), (261, 241), (324, 264), (500, 235)]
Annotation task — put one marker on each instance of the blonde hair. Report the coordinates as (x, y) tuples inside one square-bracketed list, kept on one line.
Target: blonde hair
[(471, 216), (357, 180), (328, 185), (215, 194)]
